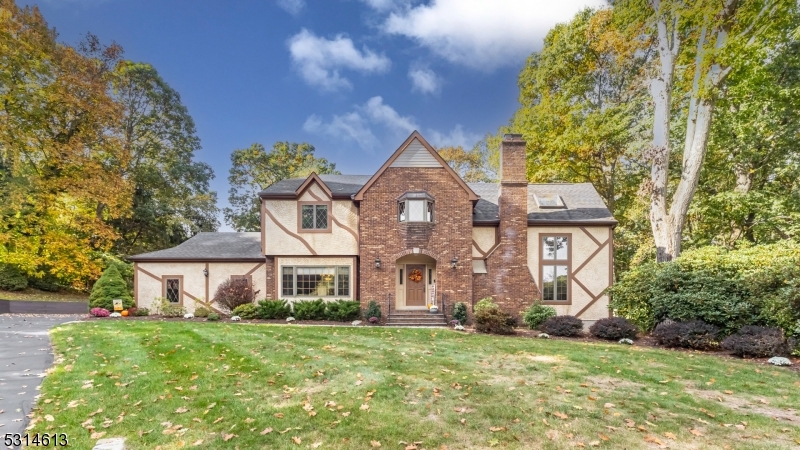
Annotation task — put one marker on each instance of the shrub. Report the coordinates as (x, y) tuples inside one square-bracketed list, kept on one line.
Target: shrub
[(373, 320), (11, 279), (141, 312), (309, 310), (613, 329), (460, 312), (757, 285), (563, 326), (757, 342), (213, 317), (202, 311), (132, 311), (694, 334), (100, 312), (373, 310), (48, 282), (234, 292), (494, 321), (109, 287), (343, 310), (273, 309), (169, 309), (248, 311), (484, 303), (536, 314)]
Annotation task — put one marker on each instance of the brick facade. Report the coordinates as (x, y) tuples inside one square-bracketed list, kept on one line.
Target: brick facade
[(509, 280), (270, 274), (383, 236)]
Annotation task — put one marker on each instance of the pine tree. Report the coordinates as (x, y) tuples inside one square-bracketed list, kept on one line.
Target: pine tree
[(110, 286)]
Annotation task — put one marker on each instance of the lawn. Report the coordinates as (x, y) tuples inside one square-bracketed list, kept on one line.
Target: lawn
[(37, 295), (170, 385)]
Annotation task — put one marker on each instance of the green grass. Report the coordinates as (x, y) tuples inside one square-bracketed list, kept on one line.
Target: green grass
[(343, 387), (36, 295)]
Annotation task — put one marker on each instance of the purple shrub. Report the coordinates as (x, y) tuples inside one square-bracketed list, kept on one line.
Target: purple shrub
[(373, 320), (100, 312), (455, 322)]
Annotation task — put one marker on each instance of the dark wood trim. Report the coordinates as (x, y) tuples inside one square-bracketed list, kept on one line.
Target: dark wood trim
[(332, 217), (360, 194), (263, 235), (149, 274), (591, 294), (313, 178), (180, 291), (590, 235), (252, 271), (589, 305), (207, 287), (478, 248), (590, 258), (300, 228), (572, 223), (556, 262), (286, 230), (189, 295), (136, 284), (610, 263)]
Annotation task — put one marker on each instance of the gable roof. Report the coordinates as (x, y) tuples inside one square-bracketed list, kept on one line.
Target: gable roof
[(210, 246), (311, 179), (340, 186), (415, 135), (583, 205)]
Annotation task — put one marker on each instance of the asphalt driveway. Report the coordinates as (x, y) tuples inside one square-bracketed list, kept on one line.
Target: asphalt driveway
[(25, 354)]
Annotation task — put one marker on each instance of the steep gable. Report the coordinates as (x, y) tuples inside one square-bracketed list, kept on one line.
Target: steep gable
[(416, 152)]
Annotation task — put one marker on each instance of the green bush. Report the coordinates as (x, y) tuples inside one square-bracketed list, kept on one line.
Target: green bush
[(343, 310), (536, 314), (494, 321), (758, 285), (11, 279), (373, 310), (213, 317), (202, 311), (309, 310), (47, 282), (141, 312), (110, 286), (460, 312), (484, 303), (248, 311), (273, 309), (168, 309), (563, 326)]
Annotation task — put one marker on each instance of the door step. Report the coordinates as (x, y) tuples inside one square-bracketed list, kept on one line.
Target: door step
[(416, 319)]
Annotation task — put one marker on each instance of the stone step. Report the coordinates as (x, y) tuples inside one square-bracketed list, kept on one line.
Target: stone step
[(425, 318), (415, 324)]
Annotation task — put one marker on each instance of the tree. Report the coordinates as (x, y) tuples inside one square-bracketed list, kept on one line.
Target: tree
[(171, 196), (58, 150), (108, 288), (582, 106), (253, 169), (471, 166), (697, 45)]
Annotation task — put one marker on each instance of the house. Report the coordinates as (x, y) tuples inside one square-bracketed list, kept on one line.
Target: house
[(411, 234)]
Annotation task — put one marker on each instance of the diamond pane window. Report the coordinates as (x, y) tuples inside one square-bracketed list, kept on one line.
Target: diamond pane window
[(173, 293), (308, 217), (322, 217)]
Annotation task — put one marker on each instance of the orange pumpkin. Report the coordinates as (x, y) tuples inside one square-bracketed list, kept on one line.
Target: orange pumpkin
[(124, 313)]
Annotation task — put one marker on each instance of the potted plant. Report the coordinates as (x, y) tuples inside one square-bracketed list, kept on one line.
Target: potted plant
[(433, 309)]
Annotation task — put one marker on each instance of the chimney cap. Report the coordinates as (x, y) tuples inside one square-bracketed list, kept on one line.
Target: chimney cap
[(512, 137)]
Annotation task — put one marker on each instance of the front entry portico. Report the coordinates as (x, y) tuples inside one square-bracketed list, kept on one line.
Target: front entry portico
[(415, 280)]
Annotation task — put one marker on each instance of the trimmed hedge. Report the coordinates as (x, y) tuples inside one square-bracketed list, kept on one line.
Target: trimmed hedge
[(694, 334), (759, 285), (758, 342), (248, 311), (563, 326), (309, 310), (273, 309), (613, 329), (343, 310)]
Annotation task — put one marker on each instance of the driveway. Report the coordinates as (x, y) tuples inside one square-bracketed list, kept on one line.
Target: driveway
[(25, 354)]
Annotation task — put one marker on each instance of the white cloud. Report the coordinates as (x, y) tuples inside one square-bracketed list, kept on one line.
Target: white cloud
[(318, 59), (457, 137), (293, 7), (424, 80), (483, 34), (357, 126)]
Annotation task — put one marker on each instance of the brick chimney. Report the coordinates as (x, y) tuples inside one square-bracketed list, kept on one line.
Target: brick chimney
[(510, 278)]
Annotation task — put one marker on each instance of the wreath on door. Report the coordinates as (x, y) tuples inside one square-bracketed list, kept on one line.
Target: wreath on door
[(415, 276)]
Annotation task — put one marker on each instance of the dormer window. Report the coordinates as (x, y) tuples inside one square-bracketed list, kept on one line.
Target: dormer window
[(549, 201), (415, 207), (314, 216)]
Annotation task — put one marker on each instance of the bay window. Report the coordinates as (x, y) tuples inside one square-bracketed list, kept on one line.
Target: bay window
[(415, 207)]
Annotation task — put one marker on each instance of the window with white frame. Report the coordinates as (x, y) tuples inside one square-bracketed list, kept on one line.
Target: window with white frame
[(415, 207), (555, 263), (315, 281)]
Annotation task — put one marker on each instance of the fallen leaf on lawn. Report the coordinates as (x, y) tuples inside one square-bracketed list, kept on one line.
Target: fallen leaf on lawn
[(197, 443), (97, 435), (49, 418), (609, 405), (463, 421), (560, 415), (249, 420), (181, 410), (594, 444), (603, 436), (227, 437), (316, 444), (285, 431), (364, 407), (653, 439), (695, 432), (297, 440), (219, 420), (279, 415), (630, 423), (266, 431), (670, 435), (375, 444), (495, 429)]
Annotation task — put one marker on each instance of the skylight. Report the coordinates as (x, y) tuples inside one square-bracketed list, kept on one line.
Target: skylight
[(549, 201)]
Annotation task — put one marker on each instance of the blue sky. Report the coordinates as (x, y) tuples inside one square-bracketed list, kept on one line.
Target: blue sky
[(351, 77)]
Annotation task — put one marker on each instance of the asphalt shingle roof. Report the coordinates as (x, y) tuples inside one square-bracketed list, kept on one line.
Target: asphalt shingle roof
[(211, 246), (340, 185)]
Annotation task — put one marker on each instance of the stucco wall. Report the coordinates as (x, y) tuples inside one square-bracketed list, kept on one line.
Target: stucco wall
[(594, 275), (483, 239), (195, 284), (316, 261), (288, 239)]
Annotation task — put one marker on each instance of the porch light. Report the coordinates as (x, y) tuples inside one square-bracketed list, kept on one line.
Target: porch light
[(205, 272), (454, 262), (378, 262)]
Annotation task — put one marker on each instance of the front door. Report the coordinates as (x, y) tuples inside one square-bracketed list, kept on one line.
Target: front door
[(415, 285)]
